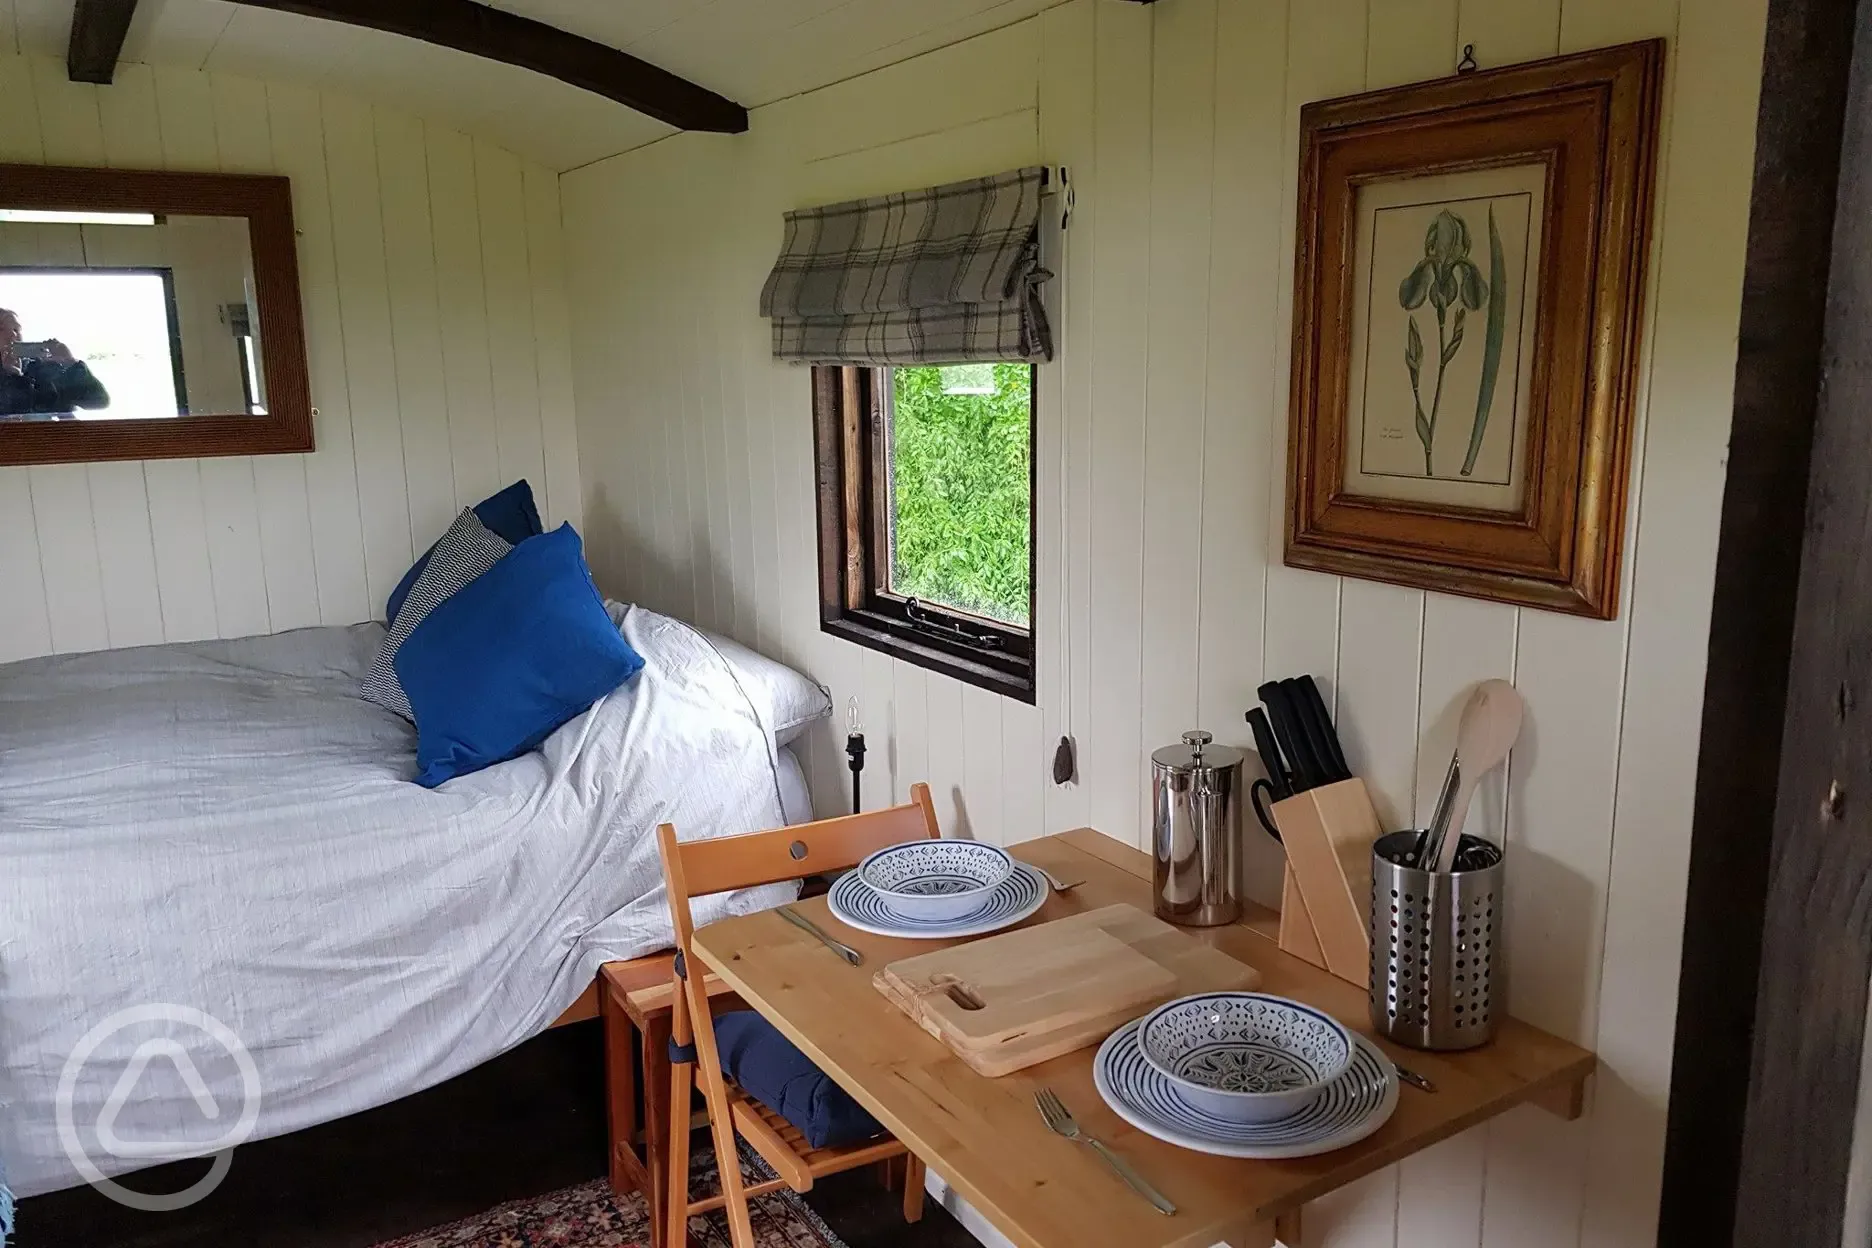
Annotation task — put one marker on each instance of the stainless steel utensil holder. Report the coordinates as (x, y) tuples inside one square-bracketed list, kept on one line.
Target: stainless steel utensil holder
[(1433, 947)]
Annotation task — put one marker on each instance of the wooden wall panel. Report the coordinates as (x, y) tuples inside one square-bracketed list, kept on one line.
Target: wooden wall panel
[(357, 238), (396, 281), (1114, 754), (1242, 406), (1714, 76), (1182, 156), (1161, 455), (1064, 461)]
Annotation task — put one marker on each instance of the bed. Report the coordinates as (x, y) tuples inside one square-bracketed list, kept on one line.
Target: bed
[(230, 828)]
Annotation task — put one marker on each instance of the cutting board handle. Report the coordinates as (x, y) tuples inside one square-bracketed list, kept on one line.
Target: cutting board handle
[(955, 988)]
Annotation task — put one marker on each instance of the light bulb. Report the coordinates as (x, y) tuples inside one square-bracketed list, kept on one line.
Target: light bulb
[(852, 724)]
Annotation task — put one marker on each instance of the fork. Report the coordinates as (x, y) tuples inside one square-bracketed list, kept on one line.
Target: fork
[(1054, 880), (812, 929), (1060, 1121)]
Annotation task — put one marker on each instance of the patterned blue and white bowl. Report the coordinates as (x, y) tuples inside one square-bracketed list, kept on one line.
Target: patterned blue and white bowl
[(935, 881), (1244, 1056)]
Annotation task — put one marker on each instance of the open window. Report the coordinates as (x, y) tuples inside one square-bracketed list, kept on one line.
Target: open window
[(926, 517)]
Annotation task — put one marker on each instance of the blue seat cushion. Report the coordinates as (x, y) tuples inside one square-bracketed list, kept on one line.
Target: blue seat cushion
[(767, 1066), (497, 668), (509, 515)]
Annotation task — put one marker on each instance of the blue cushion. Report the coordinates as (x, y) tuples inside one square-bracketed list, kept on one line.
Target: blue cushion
[(493, 671), (767, 1066), (510, 514)]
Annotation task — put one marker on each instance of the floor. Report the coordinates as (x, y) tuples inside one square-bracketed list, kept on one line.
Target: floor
[(430, 1158)]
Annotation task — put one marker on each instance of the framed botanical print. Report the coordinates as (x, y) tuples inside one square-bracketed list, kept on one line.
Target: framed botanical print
[(1468, 289)]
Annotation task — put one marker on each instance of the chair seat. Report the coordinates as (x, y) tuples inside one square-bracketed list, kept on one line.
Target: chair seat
[(786, 1149)]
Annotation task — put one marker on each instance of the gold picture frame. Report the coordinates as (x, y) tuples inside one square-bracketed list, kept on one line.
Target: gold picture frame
[(1470, 267)]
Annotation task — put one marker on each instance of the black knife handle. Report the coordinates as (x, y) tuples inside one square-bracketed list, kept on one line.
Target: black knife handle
[(1335, 750), (1269, 750), (1292, 737), (1317, 725)]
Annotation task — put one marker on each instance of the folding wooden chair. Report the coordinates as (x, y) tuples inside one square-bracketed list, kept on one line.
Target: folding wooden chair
[(697, 869)]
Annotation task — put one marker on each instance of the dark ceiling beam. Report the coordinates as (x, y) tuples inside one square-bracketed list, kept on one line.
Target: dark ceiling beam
[(97, 39), (507, 37)]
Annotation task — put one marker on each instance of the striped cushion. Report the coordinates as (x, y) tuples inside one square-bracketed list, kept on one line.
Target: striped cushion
[(468, 549)]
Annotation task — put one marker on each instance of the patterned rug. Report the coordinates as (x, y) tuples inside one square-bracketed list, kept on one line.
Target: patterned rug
[(591, 1216)]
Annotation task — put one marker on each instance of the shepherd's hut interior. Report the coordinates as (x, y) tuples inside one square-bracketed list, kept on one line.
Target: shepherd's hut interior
[(859, 623)]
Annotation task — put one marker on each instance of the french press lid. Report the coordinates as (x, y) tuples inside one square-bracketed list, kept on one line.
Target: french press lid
[(1197, 754)]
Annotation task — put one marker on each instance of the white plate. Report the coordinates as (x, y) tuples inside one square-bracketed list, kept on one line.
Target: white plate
[(1347, 1110), (858, 905)]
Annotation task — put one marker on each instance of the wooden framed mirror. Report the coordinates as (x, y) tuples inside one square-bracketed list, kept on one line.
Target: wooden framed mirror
[(148, 315)]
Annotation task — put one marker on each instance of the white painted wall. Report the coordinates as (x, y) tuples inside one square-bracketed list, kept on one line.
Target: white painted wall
[(1162, 597), (436, 322)]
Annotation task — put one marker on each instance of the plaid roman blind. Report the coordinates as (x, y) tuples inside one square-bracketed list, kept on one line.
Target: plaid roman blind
[(946, 275)]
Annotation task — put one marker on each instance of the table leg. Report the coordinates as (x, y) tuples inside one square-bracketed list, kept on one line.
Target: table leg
[(656, 1038), (1287, 1229), (621, 1092)]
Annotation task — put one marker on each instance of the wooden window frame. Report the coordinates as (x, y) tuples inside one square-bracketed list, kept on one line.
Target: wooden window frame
[(850, 408)]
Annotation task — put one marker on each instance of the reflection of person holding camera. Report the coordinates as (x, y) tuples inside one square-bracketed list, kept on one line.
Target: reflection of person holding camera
[(42, 381)]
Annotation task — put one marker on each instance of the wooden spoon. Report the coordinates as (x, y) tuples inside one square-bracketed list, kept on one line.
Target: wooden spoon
[(1490, 723)]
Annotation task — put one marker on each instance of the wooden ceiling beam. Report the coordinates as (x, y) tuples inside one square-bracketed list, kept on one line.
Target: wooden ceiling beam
[(97, 39), (512, 39)]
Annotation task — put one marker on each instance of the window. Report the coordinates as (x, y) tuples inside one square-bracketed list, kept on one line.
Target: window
[(121, 322), (238, 317), (926, 525)]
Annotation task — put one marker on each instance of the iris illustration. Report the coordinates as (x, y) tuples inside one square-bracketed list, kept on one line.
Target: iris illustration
[(1451, 283)]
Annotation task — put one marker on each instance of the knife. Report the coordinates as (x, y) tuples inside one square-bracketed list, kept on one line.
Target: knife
[(1311, 690), (1269, 750), (1277, 786), (1316, 722), (1292, 737)]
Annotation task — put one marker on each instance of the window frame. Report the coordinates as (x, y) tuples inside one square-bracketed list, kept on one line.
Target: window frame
[(850, 408)]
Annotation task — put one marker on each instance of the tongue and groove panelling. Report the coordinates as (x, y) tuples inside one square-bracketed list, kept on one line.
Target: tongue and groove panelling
[(1162, 598), (439, 351)]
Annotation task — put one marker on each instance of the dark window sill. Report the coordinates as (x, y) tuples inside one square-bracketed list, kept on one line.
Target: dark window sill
[(1008, 676)]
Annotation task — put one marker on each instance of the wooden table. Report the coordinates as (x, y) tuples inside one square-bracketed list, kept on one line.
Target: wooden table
[(985, 1137)]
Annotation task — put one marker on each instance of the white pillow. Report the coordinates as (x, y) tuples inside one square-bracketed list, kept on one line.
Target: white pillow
[(792, 699)]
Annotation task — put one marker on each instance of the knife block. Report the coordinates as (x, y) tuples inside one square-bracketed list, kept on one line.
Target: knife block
[(1326, 894)]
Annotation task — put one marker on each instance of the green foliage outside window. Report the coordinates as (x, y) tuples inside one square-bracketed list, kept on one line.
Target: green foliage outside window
[(961, 467)]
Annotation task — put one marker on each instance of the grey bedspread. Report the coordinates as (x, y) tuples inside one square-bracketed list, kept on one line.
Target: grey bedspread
[(229, 827)]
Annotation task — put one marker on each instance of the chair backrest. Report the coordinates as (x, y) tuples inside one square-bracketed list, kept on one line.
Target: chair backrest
[(698, 868), (713, 866)]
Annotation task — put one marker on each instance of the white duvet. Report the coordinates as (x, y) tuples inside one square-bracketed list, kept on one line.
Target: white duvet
[(229, 828)]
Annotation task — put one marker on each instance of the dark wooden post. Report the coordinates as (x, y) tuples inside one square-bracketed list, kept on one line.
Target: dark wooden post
[(1777, 940)]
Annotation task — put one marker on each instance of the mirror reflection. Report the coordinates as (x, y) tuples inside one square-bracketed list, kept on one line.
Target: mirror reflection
[(127, 316)]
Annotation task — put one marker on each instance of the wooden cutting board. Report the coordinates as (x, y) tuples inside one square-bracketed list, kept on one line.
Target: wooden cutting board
[(1006, 1002)]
